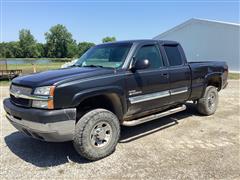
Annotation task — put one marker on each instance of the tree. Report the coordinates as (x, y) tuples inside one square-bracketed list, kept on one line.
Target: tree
[(83, 47), (72, 49), (59, 41), (10, 50), (15, 49), (27, 44), (41, 48), (5, 51), (108, 39), (2, 50)]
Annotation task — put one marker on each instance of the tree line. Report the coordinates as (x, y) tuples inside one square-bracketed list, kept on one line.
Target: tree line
[(59, 44)]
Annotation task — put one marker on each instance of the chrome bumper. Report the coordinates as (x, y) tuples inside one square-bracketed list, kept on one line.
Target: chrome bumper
[(46, 125)]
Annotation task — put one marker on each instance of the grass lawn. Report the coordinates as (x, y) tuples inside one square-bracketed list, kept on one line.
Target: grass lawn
[(29, 68), (54, 59), (4, 83), (234, 75)]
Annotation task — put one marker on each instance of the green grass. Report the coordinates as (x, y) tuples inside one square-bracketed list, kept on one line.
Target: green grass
[(29, 68), (4, 83), (234, 75), (53, 59)]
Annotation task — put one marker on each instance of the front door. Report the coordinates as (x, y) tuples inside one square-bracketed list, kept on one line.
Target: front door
[(148, 89)]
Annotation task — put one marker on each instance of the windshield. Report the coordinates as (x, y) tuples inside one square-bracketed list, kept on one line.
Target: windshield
[(105, 55)]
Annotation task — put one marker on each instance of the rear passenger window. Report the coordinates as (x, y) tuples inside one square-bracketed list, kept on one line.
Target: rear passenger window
[(173, 55)]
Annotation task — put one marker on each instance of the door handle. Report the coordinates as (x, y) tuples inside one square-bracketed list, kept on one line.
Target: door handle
[(165, 75)]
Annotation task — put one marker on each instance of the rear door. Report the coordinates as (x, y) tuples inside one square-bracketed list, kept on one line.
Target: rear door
[(148, 88), (179, 73)]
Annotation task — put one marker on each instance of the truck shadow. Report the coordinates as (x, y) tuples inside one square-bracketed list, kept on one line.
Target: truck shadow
[(129, 134), (46, 154), (42, 154)]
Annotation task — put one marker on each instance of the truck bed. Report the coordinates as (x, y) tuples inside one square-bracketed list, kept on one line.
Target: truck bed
[(200, 72)]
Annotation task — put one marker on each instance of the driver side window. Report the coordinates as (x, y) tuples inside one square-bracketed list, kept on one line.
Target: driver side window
[(151, 53)]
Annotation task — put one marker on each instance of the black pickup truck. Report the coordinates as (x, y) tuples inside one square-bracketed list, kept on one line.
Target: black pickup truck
[(112, 84)]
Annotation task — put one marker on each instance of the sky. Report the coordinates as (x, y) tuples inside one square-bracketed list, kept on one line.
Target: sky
[(94, 19)]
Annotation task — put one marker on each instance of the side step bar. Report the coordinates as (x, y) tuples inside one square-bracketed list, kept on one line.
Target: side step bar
[(153, 117)]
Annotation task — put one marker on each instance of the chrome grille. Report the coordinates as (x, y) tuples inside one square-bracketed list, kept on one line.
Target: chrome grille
[(15, 91)]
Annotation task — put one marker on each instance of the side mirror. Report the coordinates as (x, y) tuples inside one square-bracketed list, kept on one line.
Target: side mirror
[(141, 64)]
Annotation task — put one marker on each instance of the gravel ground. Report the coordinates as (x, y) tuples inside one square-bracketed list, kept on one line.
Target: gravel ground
[(182, 146)]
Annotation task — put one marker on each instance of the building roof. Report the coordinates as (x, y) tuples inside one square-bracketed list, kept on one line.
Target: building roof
[(194, 20)]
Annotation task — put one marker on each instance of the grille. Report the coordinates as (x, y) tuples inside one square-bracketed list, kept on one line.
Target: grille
[(20, 90), (20, 101)]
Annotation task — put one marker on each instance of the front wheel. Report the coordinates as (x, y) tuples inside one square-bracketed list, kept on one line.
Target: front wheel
[(207, 105), (96, 134)]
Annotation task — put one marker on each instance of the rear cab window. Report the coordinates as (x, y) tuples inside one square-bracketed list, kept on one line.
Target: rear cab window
[(173, 55)]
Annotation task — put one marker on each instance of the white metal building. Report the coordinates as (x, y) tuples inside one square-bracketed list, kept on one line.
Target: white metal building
[(208, 40)]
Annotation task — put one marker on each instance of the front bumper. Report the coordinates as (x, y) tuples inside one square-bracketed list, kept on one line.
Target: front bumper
[(46, 125)]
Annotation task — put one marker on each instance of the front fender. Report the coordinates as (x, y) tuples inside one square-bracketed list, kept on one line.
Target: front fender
[(81, 96)]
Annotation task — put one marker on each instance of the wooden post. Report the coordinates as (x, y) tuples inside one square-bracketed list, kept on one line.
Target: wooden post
[(34, 68), (6, 63)]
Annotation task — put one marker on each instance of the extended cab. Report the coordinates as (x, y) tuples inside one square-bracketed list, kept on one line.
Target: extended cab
[(112, 84)]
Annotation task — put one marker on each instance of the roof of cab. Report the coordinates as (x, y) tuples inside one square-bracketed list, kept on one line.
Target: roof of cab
[(144, 41)]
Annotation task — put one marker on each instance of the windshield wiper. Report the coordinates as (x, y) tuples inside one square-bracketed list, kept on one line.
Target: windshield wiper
[(76, 65), (92, 66)]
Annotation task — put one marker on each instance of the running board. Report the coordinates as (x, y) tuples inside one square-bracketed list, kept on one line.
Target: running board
[(153, 117)]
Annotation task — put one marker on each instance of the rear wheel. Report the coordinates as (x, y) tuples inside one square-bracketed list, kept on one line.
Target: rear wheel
[(96, 134), (207, 105)]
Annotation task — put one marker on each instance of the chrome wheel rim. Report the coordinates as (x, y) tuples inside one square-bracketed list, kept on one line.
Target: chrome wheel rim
[(101, 134), (211, 100)]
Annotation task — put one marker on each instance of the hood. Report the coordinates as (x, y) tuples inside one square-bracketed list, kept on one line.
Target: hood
[(48, 78)]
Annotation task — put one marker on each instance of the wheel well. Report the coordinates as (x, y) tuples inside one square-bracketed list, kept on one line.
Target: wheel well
[(215, 81), (109, 101)]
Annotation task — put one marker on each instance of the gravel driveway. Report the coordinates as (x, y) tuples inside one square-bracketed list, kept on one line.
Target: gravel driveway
[(182, 146)]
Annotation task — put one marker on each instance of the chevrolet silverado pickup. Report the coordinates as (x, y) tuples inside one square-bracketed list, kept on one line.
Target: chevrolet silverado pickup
[(122, 83)]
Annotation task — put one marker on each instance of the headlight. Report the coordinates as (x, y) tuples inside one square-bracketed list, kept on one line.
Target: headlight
[(45, 91), (40, 104)]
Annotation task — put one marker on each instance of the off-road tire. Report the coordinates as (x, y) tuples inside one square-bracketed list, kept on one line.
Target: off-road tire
[(83, 132), (203, 105)]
